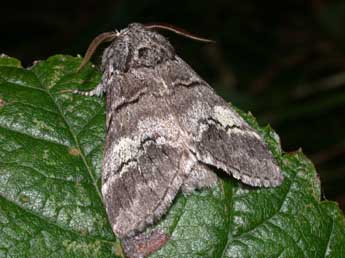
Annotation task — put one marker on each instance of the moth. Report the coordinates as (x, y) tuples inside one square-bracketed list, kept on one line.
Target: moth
[(166, 131)]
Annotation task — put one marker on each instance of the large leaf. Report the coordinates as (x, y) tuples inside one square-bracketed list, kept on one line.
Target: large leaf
[(51, 146)]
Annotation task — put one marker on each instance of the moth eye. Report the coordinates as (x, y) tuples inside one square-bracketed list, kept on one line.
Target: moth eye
[(143, 52)]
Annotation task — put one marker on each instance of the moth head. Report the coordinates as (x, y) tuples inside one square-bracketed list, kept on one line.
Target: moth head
[(136, 46)]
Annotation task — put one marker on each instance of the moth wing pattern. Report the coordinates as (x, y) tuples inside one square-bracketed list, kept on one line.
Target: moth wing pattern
[(218, 135), (145, 160), (167, 139)]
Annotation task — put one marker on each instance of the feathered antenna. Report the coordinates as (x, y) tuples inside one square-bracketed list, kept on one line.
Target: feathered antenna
[(104, 37), (178, 31)]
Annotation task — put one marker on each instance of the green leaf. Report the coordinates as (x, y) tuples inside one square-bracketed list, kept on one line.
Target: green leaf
[(50, 150), (51, 146)]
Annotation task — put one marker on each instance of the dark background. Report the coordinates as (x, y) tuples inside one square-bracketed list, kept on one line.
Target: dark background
[(283, 60)]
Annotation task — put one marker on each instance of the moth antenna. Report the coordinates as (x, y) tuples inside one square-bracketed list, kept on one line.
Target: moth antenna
[(178, 31), (104, 37)]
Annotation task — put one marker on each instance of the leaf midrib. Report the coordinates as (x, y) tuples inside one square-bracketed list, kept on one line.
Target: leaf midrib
[(230, 206)]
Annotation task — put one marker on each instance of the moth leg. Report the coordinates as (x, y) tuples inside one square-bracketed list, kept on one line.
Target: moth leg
[(199, 177), (98, 91)]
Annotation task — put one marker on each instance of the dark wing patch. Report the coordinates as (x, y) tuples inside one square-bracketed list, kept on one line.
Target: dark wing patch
[(238, 152)]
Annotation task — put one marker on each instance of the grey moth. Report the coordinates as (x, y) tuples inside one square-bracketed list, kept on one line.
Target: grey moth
[(166, 132)]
